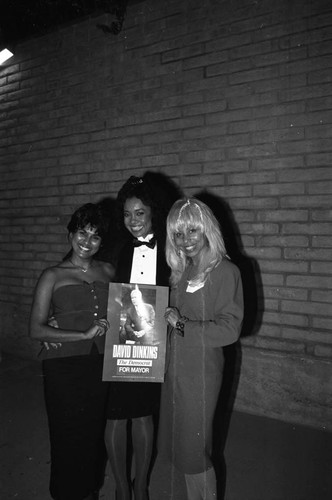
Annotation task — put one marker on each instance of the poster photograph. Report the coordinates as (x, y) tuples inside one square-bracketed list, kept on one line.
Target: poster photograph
[(135, 345)]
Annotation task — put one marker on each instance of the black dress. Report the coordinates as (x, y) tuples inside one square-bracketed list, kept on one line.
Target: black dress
[(75, 395), (136, 399)]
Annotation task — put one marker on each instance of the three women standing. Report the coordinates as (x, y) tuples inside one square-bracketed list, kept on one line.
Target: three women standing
[(206, 314)]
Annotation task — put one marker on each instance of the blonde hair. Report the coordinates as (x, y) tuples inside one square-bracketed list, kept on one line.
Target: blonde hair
[(189, 213)]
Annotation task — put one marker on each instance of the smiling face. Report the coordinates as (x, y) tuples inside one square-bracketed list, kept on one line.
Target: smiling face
[(190, 240), (85, 242), (137, 217)]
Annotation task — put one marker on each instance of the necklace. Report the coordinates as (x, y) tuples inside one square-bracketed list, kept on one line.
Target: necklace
[(80, 267)]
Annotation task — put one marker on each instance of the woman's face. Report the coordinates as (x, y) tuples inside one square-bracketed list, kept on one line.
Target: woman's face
[(137, 217), (85, 242), (190, 241)]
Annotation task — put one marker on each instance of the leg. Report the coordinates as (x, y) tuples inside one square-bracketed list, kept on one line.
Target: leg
[(192, 488), (75, 403), (92, 496), (202, 486), (116, 445), (142, 436)]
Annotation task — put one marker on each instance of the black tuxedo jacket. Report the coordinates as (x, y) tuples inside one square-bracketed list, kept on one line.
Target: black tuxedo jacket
[(125, 259)]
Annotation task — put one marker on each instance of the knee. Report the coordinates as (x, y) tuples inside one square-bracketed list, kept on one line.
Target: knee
[(146, 421), (114, 428)]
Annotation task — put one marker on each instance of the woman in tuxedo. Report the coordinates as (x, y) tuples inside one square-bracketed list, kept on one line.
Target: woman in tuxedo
[(141, 261)]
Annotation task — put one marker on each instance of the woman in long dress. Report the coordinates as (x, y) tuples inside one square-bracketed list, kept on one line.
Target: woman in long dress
[(205, 314), (75, 293)]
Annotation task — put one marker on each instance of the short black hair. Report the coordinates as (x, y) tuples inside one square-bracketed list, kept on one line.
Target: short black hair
[(90, 214)]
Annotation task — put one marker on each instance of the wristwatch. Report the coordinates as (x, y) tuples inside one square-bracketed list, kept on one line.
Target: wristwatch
[(180, 325)]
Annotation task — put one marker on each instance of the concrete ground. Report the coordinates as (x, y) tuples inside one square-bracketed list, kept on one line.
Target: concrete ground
[(265, 459)]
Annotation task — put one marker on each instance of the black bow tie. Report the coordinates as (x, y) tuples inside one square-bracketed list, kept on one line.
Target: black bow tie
[(150, 244)]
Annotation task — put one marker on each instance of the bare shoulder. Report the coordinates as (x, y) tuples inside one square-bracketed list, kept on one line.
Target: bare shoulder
[(48, 277), (50, 273), (107, 268)]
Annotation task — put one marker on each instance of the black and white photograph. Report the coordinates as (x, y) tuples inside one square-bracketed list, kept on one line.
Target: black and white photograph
[(135, 344), (166, 250)]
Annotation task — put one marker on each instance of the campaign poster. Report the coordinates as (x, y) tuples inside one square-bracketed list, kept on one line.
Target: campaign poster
[(135, 345)]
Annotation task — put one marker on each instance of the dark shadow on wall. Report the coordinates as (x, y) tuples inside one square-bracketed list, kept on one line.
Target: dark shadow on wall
[(114, 240), (253, 308), (164, 188)]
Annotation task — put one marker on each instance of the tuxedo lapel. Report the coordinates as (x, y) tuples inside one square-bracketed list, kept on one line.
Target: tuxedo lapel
[(123, 270), (125, 260)]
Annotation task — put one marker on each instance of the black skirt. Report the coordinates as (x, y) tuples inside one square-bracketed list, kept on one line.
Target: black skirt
[(75, 399), (132, 399)]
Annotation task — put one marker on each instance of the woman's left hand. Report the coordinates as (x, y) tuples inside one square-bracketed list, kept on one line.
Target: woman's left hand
[(104, 324), (172, 316), (54, 324), (54, 345)]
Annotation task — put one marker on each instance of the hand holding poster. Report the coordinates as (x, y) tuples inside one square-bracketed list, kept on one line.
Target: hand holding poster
[(135, 345)]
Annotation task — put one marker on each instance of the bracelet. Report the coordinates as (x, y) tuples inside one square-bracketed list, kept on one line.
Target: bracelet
[(180, 325)]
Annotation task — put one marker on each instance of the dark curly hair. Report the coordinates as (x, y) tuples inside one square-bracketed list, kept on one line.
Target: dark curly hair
[(143, 189), (89, 214)]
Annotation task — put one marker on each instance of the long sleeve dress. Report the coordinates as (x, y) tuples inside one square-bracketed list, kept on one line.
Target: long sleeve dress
[(75, 395), (195, 366)]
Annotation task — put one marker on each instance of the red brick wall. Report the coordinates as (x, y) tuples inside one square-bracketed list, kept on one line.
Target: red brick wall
[(233, 96)]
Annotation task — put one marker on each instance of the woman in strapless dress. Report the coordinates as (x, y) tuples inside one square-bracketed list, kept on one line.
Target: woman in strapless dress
[(75, 294)]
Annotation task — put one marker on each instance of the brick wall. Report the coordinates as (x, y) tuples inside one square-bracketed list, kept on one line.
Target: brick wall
[(231, 97)]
